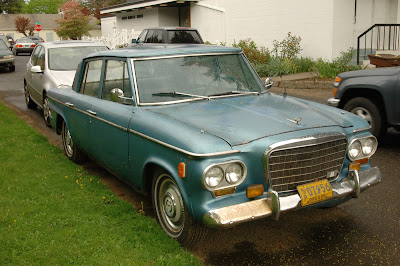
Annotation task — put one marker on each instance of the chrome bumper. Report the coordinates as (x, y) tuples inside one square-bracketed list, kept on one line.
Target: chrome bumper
[(274, 205), (333, 102)]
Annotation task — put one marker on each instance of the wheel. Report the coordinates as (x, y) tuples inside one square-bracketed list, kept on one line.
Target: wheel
[(71, 150), (28, 100), (11, 68), (368, 111), (46, 110), (172, 213), (16, 53)]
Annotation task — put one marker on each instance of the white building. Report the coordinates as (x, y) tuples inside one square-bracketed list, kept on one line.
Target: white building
[(326, 27)]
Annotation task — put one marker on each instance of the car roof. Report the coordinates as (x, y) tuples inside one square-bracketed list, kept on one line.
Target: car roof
[(157, 50), (70, 43), (169, 28)]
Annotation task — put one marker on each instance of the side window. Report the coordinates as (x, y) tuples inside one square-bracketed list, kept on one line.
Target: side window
[(91, 78), (116, 77), (41, 59), (142, 37), (149, 36), (34, 56), (157, 36)]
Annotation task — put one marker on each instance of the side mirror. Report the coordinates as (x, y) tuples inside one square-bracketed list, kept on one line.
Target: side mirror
[(36, 69), (116, 94), (268, 83), (133, 40)]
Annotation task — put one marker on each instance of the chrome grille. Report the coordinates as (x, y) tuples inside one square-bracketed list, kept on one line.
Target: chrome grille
[(305, 160)]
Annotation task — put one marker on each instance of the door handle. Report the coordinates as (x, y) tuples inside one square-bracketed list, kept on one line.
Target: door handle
[(91, 112)]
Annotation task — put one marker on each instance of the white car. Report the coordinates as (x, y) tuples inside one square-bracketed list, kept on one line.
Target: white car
[(53, 64)]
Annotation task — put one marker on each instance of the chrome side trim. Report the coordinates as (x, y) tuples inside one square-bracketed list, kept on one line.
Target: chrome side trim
[(274, 204), (333, 102), (361, 129), (198, 155)]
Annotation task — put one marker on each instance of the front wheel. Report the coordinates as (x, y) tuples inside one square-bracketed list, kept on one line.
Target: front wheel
[(46, 110), (71, 151), (368, 111), (172, 213)]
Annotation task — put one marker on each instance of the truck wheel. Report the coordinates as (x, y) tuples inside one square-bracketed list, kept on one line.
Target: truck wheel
[(172, 213), (71, 151), (368, 111)]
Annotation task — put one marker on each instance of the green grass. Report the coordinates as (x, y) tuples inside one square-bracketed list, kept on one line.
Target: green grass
[(53, 212)]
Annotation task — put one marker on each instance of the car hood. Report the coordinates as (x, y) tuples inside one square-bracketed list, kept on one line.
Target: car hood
[(386, 71), (5, 52), (65, 77), (240, 120)]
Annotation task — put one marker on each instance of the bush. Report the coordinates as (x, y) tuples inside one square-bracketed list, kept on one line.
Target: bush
[(253, 53), (340, 64), (288, 47)]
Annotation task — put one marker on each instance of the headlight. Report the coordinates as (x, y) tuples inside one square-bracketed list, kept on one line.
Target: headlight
[(8, 56), (234, 173), (362, 148), (214, 176)]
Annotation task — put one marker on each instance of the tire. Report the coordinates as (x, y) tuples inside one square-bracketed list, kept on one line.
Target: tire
[(28, 100), (11, 68), (367, 110), (71, 151), (172, 213), (46, 110)]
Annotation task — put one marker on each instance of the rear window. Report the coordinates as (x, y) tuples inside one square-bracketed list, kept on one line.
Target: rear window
[(183, 36)]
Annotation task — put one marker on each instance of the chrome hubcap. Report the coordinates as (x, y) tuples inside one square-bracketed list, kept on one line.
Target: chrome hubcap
[(46, 109), (363, 113), (68, 143), (171, 205)]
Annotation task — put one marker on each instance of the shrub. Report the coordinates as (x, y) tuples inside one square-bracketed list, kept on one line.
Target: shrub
[(340, 64), (254, 54), (288, 47)]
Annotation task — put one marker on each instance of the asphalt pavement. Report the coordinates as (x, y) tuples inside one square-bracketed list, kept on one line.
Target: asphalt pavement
[(362, 231)]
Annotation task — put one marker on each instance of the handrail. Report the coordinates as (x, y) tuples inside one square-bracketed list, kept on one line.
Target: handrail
[(390, 41)]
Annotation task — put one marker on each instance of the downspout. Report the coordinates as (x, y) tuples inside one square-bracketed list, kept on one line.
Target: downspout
[(218, 10)]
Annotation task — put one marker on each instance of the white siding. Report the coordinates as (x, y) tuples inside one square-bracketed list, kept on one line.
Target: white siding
[(168, 17)]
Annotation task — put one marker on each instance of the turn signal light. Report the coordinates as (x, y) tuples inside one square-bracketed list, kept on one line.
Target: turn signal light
[(253, 191), (362, 161), (224, 191), (355, 166), (181, 170)]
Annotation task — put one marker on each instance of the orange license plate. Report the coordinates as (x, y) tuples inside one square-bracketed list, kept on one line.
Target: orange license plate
[(315, 192)]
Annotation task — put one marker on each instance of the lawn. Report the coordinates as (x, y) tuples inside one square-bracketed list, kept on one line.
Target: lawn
[(53, 212)]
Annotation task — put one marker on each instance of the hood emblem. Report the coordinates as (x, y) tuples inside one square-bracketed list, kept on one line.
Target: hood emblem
[(297, 120)]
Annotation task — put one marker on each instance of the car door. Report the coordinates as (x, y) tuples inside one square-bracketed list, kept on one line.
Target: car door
[(38, 78), (109, 126), (30, 76)]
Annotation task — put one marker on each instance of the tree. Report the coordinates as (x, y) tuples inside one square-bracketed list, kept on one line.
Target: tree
[(94, 5), (42, 6), (74, 24), (11, 6), (24, 25)]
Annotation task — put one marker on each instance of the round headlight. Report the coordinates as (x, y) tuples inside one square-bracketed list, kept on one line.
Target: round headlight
[(214, 176), (368, 146), (234, 173), (355, 149)]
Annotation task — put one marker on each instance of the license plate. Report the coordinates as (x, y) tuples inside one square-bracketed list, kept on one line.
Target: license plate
[(315, 192)]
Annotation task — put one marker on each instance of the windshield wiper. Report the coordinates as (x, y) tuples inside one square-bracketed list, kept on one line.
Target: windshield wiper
[(234, 92), (180, 94)]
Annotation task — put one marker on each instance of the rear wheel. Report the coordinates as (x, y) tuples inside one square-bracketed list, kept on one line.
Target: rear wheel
[(367, 110), (28, 100), (71, 151), (172, 213), (46, 110), (11, 68)]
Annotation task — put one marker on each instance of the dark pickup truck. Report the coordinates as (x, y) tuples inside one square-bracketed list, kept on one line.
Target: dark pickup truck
[(169, 35), (372, 94)]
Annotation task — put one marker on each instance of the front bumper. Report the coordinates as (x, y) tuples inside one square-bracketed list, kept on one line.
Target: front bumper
[(7, 62), (274, 205), (333, 102)]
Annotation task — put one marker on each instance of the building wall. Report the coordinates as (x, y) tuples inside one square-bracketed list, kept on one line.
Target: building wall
[(150, 18), (108, 25), (168, 16)]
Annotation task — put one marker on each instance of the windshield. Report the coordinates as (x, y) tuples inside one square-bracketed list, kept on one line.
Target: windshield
[(68, 58), (194, 77), (3, 45)]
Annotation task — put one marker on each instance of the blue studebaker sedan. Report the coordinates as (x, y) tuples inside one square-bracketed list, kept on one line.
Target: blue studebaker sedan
[(194, 127)]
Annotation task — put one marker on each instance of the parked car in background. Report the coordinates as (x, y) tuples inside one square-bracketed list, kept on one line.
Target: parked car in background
[(23, 45), (194, 127), (169, 35), (6, 57), (371, 94), (36, 39), (10, 41), (53, 64), (4, 38)]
